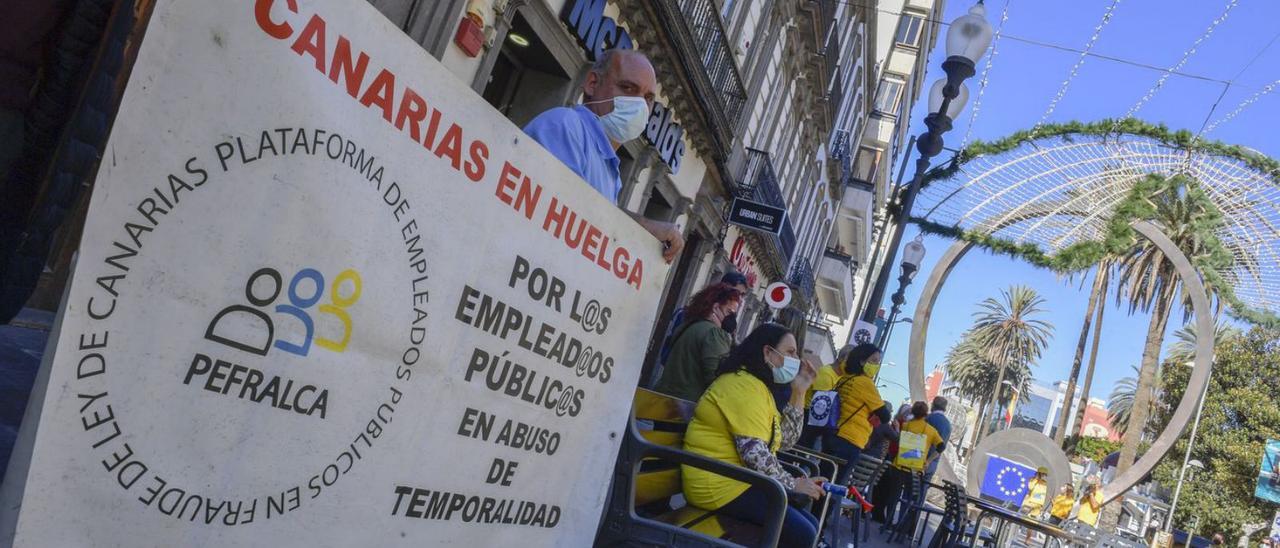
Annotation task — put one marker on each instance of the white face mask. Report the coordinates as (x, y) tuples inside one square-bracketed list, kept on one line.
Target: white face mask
[(790, 367), (628, 119)]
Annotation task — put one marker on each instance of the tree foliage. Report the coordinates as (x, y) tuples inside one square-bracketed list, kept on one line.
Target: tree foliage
[(1240, 414), (1094, 449)]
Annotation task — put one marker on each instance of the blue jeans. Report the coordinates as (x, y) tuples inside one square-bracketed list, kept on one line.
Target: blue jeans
[(799, 528), (846, 451)]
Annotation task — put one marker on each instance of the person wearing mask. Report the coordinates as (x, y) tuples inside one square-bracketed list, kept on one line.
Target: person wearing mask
[(900, 474), (859, 400), (826, 380), (1062, 505), (700, 343), (730, 324), (1037, 495), (737, 422), (1091, 503), (938, 420), (618, 91)]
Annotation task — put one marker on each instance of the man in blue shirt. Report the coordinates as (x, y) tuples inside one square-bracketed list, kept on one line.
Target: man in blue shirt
[(618, 91), (938, 420)]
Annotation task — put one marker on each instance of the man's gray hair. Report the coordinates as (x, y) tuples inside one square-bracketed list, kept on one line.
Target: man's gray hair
[(602, 63)]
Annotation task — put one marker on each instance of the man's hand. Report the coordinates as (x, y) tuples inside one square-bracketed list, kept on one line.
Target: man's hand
[(667, 233)]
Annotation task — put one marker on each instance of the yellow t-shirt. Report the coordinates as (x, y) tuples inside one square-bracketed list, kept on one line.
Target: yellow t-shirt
[(1062, 505), (736, 404), (932, 438), (858, 399), (1037, 494), (1087, 514), (826, 380)]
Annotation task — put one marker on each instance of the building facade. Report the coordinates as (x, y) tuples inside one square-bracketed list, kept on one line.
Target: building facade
[(796, 104), (907, 30)]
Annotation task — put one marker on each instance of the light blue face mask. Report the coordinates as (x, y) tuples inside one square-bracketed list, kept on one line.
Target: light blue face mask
[(628, 119), (790, 368)]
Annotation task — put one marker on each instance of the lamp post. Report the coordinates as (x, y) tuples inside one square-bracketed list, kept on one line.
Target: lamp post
[(967, 40), (912, 254), (1186, 457)]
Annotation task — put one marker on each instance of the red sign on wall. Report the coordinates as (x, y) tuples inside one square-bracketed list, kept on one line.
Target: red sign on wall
[(743, 261)]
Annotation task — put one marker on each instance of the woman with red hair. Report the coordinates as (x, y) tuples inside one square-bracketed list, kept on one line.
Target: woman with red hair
[(699, 343)]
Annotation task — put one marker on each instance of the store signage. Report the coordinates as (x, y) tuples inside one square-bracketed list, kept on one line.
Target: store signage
[(743, 261), (757, 216), (596, 33), (777, 295), (328, 296)]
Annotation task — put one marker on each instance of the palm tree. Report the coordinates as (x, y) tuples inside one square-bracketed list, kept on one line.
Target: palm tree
[(1183, 348), (1008, 334), (1101, 280), (1120, 404), (975, 377), (1148, 281)]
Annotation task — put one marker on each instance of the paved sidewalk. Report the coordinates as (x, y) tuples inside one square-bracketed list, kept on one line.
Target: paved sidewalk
[(22, 344)]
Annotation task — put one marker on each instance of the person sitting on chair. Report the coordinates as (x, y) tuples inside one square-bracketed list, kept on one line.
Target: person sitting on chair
[(736, 421)]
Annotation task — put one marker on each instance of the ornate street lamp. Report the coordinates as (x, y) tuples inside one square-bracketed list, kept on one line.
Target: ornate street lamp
[(968, 38), (912, 255)]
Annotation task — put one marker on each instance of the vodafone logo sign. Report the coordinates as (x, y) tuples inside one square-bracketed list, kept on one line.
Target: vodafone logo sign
[(777, 295)]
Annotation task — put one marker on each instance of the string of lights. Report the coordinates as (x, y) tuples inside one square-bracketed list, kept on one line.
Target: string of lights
[(1186, 55), (1075, 69)]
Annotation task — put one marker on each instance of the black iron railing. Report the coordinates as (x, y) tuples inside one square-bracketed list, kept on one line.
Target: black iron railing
[(720, 87), (759, 183), (801, 278)]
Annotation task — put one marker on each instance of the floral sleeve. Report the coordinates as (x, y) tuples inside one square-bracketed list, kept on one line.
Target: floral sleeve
[(792, 424), (755, 454)]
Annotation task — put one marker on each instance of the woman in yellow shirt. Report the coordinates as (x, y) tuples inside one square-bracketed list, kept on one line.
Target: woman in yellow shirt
[(824, 381), (899, 474), (1037, 493), (859, 399), (1062, 505), (736, 421), (1091, 503)]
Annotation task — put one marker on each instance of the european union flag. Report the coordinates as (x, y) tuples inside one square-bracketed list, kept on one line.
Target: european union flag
[(1005, 480)]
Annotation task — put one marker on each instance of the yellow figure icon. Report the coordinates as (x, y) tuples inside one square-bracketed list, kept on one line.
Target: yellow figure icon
[(337, 308)]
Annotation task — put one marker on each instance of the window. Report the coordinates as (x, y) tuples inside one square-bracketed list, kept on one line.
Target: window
[(865, 166), (726, 8), (888, 96), (909, 30)]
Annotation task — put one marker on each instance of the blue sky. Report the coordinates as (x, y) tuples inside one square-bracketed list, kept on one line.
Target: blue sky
[(1023, 80)]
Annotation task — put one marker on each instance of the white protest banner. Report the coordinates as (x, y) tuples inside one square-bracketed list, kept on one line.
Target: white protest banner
[(327, 296)]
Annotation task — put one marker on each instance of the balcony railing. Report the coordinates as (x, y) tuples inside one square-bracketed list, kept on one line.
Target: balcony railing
[(802, 278), (709, 62), (759, 183), (841, 141)]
